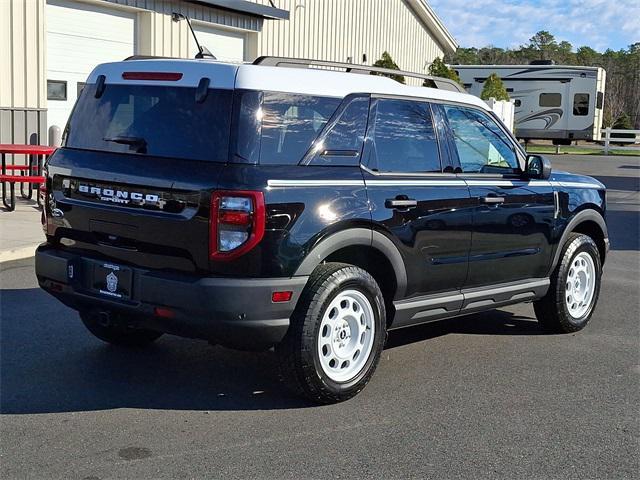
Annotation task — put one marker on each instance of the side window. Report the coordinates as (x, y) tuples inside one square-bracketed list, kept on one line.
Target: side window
[(290, 124), (550, 99), (404, 137), (342, 144), (581, 104), (482, 146)]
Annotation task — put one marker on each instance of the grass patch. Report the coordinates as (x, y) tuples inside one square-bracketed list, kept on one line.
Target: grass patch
[(577, 150)]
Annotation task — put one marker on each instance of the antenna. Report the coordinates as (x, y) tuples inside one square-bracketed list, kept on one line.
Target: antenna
[(202, 50)]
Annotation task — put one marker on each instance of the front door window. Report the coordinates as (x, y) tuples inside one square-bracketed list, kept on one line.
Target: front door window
[(482, 146)]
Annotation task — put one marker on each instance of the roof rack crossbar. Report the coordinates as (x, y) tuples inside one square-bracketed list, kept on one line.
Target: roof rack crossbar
[(439, 82)]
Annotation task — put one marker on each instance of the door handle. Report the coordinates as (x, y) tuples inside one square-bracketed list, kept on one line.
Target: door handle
[(401, 203), (492, 200)]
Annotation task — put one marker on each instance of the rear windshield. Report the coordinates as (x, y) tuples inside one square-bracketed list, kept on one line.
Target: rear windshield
[(152, 120)]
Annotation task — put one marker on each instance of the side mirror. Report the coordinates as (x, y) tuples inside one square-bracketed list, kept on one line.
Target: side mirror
[(538, 167)]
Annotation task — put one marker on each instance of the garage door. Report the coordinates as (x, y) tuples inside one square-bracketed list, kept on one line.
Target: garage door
[(225, 45), (80, 36)]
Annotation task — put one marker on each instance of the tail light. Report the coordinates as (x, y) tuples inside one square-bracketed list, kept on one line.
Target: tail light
[(237, 223)]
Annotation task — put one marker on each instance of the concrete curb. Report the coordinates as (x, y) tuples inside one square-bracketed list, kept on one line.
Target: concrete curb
[(18, 253)]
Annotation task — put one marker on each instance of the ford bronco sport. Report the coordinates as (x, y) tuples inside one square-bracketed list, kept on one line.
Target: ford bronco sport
[(305, 209)]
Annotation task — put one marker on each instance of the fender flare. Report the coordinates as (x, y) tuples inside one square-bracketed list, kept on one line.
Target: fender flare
[(580, 217), (357, 236)]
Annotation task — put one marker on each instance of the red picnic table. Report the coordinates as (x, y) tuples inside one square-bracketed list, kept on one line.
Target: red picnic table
[(30, 173)]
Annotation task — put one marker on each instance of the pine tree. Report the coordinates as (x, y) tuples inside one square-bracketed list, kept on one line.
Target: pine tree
[(387, 62), (494, 88), (439, 69)]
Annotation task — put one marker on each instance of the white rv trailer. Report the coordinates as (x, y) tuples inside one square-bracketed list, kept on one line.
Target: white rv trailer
[(557, 102)]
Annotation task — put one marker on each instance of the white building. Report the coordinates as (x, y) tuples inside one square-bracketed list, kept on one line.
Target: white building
[(48, 47)]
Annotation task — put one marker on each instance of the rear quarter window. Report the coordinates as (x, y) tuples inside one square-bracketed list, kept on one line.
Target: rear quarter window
[(290, 124)]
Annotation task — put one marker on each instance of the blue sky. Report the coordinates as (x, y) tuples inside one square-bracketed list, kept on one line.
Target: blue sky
[(600, 24)]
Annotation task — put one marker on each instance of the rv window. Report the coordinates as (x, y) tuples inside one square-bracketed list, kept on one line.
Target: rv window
[(581, 104), (550, 99), (600, 101), (517, 103)]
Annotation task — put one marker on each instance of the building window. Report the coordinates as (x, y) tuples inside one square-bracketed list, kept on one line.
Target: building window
[(550, 99), (56, 90), (581, 104)]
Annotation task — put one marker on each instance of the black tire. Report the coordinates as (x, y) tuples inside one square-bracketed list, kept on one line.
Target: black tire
[(118, 334), (298, 355), (551, 310)]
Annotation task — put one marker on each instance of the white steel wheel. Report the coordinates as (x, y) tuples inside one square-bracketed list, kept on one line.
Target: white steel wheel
[(580, 285), (346, 335)]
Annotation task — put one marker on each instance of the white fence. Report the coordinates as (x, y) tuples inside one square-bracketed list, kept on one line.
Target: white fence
[(504, 109), (606, 137)]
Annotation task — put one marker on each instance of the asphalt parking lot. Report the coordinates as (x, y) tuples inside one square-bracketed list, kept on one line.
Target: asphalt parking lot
[(483, 396)]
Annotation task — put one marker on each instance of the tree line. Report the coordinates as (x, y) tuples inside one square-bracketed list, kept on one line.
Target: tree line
[(622, 89)]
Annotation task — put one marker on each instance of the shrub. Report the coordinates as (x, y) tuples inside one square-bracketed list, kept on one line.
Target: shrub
[(387, 62), (439, 69), (494, 88)]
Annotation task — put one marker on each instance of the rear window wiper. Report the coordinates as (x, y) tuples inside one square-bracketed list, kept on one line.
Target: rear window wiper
[(138, 144)]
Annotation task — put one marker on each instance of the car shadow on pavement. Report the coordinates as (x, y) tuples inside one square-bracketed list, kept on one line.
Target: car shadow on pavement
[(624, 229), (625, 184), (494, 322), (49, 363)]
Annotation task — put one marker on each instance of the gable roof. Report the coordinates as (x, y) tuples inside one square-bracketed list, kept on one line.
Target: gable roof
[(434, 25)]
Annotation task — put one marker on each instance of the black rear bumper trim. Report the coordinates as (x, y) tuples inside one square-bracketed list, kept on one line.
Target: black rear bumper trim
[(237, 312)]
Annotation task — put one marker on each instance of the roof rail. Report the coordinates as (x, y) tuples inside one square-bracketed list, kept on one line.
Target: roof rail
[(439, 82)]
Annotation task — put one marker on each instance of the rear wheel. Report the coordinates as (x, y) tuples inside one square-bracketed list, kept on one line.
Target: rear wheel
[(336, 336), (117, 333), (575, 287)]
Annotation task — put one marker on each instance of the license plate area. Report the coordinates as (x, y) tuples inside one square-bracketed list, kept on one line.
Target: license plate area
[(111, 280)]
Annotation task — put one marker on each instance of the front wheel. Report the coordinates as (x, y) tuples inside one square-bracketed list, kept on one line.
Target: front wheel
[(575, 286), (337, 334)]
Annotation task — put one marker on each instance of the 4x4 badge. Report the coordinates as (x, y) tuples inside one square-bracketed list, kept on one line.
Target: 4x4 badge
[(112, 282)]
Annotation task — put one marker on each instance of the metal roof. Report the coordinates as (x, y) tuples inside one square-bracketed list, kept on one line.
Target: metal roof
[(246, 7)]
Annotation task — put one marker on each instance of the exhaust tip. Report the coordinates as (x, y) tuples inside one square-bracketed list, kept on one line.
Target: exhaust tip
[(104, 319)]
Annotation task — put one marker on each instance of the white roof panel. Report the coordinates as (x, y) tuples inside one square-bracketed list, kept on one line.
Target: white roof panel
[(311, 81)]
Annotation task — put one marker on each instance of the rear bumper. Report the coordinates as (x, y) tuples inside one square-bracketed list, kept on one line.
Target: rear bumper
[(237, 312)]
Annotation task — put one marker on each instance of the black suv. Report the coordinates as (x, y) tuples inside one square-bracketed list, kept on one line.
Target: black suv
[(308, 210)]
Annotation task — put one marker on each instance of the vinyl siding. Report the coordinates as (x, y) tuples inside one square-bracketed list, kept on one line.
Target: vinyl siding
[(339, 30), (22, 54), (159, 35), (323, 29)]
